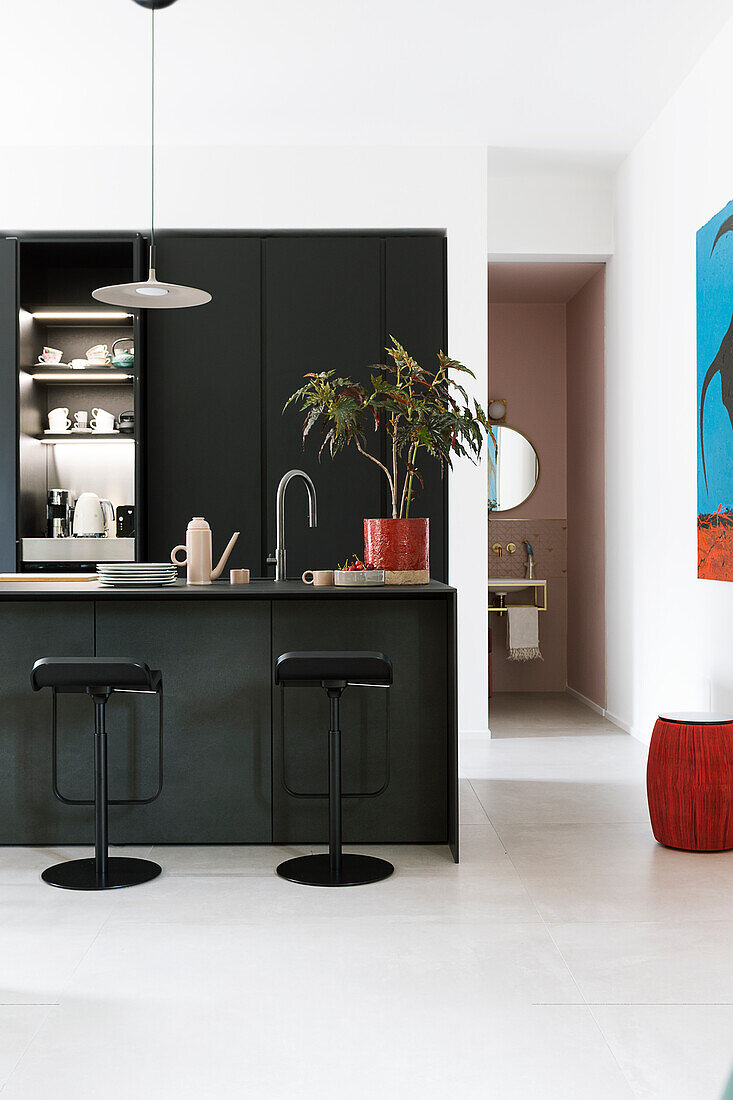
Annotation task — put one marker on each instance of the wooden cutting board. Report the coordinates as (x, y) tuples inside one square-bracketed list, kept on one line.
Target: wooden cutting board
[(46, 578)]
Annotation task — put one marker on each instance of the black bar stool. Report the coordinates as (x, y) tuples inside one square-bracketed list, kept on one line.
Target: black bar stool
[(334, 672), (99, 677)]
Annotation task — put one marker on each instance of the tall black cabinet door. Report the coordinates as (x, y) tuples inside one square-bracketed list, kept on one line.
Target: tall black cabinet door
[(29, 813), (415, 295), (203, 398), (217, 722), (323, 311), (8, 402), (414, 807)]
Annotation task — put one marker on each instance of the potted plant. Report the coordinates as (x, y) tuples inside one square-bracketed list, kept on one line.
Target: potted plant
[(424, 413)]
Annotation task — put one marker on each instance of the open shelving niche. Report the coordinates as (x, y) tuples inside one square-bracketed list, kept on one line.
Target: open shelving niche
[(56, 310)]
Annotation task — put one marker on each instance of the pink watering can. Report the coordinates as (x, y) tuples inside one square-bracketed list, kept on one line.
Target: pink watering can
[(198, 553)]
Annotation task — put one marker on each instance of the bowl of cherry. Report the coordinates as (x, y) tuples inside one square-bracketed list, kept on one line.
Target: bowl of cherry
[(357, 574)]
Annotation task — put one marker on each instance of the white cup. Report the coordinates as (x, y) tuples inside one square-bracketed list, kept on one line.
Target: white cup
[(51, 356), (102, 421), (58, 420), (81, 418), (98, 354)]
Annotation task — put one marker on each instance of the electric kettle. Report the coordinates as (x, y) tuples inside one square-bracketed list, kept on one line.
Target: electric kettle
[(93, 518)]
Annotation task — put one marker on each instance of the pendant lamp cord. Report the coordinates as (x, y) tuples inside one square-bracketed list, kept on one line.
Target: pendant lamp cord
[(152, 141)]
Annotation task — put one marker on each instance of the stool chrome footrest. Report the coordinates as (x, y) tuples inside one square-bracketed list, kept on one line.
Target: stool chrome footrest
[(82, 874), (355, 870)]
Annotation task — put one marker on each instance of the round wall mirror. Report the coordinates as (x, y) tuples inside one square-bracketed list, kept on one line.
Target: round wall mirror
[(513, 468)]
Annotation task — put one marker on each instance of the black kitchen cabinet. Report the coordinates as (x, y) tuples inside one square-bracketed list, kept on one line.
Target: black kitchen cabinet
[(210, 383), (217, 765), (411, 718), (46, 284), (29, 813), (204, 398), (219, 375), (224, 757), (415, 305), (322, 311), (8, 403)]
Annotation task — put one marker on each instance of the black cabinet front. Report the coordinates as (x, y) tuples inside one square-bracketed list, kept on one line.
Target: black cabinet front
[(323, 311), (223, 757), (414, 807), (212, 436), (216, 675), (219, 375), (415, 307), (204, 400), (29, 813), (8, 403)]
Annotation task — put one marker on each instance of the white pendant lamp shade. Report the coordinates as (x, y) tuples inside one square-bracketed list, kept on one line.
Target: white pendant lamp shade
[(152, 294)]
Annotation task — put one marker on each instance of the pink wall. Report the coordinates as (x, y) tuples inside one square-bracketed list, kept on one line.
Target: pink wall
[(586, 491), (527, 367)]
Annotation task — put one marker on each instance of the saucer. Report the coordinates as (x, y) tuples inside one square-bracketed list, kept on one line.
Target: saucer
[(80, 431), (43, 363), (108, 431), (57, 431)]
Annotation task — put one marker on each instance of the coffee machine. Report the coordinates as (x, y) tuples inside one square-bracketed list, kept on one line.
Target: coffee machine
[(58, 514)]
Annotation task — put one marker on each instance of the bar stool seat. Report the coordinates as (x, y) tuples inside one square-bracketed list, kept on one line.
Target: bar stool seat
[(99, 677), (315, 666), (334, 672), (79, 674)]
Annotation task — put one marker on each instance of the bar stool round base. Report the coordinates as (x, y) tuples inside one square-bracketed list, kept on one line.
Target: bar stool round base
[(81, 874), (316, 870)]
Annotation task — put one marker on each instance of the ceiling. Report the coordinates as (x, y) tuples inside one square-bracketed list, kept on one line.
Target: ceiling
[(581, 76), (538, 282)]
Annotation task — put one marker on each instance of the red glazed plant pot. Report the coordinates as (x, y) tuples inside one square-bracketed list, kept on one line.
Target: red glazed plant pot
[(399, 546)]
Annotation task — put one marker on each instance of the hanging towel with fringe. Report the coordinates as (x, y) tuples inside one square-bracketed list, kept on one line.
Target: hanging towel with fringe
[(523, 634)]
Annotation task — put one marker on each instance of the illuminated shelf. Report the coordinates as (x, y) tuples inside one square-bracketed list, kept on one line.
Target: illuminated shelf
[(95, 376), (85, 437), (82, 318)]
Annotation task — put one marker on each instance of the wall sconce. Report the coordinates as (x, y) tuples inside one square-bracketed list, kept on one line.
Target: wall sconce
[(497, 411)]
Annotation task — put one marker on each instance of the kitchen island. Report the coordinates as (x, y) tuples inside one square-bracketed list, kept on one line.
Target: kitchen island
[(226, 749)]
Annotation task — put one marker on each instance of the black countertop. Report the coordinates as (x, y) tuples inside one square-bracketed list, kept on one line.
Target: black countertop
[(219, 590)]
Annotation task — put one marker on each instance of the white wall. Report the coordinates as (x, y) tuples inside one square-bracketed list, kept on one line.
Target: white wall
[(670, 636), (538, 209), (304, 188)]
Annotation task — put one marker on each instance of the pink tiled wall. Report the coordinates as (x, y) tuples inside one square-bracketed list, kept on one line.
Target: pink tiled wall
[(549, 542)]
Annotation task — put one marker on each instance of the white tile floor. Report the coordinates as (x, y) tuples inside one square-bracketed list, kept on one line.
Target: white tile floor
[(567, 956)]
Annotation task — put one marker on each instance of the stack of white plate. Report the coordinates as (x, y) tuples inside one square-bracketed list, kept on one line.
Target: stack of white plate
[(128, 574)]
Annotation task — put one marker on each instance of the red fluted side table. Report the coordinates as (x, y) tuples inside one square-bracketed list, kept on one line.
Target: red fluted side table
[(689, 781)]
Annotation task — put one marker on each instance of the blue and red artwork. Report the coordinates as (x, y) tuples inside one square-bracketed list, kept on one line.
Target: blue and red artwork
[(715, 397)]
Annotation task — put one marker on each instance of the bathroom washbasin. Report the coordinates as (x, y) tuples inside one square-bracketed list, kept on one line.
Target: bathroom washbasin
[(502, 586)]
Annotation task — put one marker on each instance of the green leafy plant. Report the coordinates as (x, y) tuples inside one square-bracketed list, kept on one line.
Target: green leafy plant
[(423, 412)]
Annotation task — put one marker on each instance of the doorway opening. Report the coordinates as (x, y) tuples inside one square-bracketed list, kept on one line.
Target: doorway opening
[(547, 649)]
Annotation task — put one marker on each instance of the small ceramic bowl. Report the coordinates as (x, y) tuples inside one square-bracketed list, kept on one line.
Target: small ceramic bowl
[(358, 578)]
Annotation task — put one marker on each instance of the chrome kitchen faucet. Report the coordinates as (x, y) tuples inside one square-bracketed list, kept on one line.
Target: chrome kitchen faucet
[(280, 558)]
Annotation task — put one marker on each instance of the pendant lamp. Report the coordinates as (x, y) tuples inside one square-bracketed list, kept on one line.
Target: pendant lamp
[(152, 294)]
